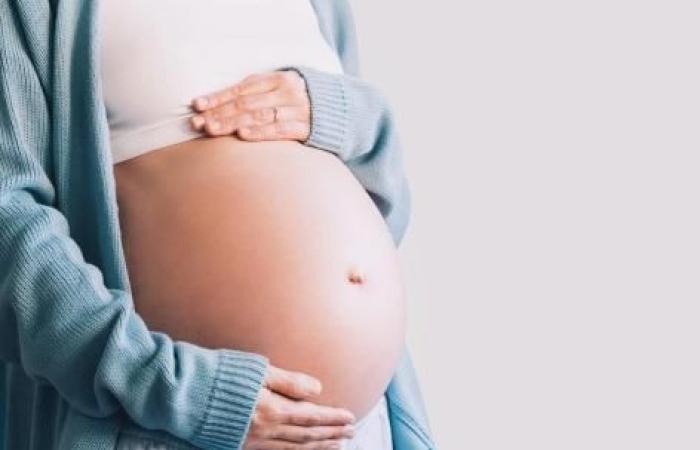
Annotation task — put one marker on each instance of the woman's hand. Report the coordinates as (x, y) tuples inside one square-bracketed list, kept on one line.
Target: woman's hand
[(285, 420), (263, 107)]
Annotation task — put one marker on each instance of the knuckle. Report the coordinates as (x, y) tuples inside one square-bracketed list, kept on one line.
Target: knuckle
[(257, 427), (264, 433), (278, 415), (263, 115), (258, 77), (305, 420), (241, 103), (274, 416), (215, 114), (233, 91), (250, 133), (312, 436), (272, 412), (305, 436), (226, 126), (252, 78), (245, 121), (282, 76), (227, 110)]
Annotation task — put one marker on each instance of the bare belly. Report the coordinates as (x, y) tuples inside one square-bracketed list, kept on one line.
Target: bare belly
[(273, 248)]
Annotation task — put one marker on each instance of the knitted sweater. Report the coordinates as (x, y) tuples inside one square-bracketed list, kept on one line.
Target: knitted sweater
[(77, 358)]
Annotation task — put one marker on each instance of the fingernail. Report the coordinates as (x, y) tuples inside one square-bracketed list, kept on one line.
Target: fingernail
[(214, 125), (201, 102), (198, 122), (313, 386)]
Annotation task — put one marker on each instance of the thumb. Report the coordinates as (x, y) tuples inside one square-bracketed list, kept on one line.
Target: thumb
[(295, 385)]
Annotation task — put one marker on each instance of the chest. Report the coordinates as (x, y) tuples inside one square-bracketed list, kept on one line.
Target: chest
[(165, 52)]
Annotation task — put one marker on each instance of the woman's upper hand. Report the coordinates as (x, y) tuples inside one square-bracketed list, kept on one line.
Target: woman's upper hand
[(262, 107), (285, 419)]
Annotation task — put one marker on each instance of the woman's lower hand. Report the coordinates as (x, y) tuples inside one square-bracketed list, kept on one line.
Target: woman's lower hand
[(263, 107), (285, 419)]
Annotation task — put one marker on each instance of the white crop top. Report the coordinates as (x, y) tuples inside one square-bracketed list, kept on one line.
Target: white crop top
[(156, 56)]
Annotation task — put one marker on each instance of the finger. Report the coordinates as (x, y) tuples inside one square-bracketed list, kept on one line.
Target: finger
[(309, 414), (291, 114), (217, 114), (277, 131), (230, 125), (228, 122), (263, 82), (292, 384), (209, 101), (226, 119), (229, 94), (299, 434), (260, 83), (276, 98)]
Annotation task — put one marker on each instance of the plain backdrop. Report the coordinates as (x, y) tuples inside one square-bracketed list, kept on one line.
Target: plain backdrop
[(553, 257)]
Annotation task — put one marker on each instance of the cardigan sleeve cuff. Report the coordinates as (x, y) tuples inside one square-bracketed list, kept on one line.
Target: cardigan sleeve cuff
[(330, 110), (232, 400)]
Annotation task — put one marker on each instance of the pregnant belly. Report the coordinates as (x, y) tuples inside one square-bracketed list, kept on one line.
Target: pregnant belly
[(273, 248)]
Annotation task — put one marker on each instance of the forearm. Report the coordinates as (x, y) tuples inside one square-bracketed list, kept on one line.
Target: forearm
[(64, 327), (67, 329)]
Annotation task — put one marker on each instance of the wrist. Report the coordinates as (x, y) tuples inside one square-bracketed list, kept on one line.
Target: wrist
[(330, 110), (232, 400)]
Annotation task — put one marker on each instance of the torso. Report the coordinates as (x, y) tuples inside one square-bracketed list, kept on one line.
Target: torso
[(271, 247)]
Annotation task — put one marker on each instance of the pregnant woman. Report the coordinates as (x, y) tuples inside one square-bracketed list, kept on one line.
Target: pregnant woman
[(241, 246), (266, 247)]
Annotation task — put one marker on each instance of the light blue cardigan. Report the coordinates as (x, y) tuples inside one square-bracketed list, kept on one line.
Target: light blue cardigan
[(78, 360)]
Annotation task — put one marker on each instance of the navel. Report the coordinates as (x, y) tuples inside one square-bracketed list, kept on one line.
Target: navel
[(356, 276)]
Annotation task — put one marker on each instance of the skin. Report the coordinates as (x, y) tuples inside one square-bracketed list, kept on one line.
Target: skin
[(211, 263), (285, 418), (247, 109)]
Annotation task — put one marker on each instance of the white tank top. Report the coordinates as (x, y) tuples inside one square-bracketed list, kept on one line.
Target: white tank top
[(156, 56)]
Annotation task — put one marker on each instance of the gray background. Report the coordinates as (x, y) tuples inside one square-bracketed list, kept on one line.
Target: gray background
[(553, 258)]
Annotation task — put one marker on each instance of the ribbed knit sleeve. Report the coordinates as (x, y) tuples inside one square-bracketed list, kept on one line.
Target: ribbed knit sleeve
[(61, 323), (353, 120)]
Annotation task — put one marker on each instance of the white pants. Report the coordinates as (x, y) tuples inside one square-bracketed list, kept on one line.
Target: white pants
[(372, 432)]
